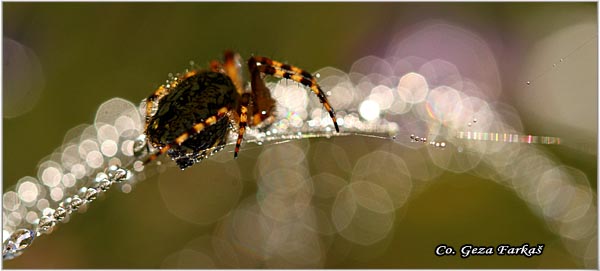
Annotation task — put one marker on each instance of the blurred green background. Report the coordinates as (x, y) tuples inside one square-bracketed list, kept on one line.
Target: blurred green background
[(91, 52)]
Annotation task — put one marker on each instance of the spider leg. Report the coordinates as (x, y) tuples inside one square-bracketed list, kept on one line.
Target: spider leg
[(275, 68), (197, 128), (262, 104), (242, 130), (232, 67)]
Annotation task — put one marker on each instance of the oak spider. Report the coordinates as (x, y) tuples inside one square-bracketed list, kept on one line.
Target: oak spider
[(190, 117)]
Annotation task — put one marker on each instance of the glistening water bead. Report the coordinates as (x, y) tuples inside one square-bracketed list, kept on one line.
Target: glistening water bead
[(90, 194), (45, 224), (60, 213), (17, 242), (22, 238)]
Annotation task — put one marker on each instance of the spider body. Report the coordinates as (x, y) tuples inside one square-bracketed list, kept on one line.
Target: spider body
[(190, 102), (193, 101), (191, 116)]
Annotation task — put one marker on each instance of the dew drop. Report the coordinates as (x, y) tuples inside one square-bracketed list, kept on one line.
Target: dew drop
[(90, 194), (474, 120), (8, 249), (528, 82), (116, 173), (139, 146), (562, 59), (22, 238), (45, 224), (443, 145), (76, 202), (104, 185), (469, 124)]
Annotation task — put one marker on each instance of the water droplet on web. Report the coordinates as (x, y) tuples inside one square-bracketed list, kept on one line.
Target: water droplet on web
[(317, 75), (474, 120), (60, 213), (139, 146), (104, 185), (45, 224), (116, 174), (562, 59), (90, 194), (75, 203), (528, 82), (469, 124), (22, 238)]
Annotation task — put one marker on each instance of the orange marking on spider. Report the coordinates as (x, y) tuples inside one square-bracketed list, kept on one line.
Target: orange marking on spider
[(211, 120), (189, 74), (182, 138), (198, 127), (155, 155), (223, 110)]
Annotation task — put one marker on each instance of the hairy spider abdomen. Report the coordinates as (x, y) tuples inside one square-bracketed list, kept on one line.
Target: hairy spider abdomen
[(192, 101)]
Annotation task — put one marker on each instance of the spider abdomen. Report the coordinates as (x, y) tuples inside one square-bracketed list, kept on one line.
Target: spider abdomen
[(192, 101)]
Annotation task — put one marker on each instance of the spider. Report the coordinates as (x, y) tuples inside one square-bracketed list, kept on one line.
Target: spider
[(189, 118)]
